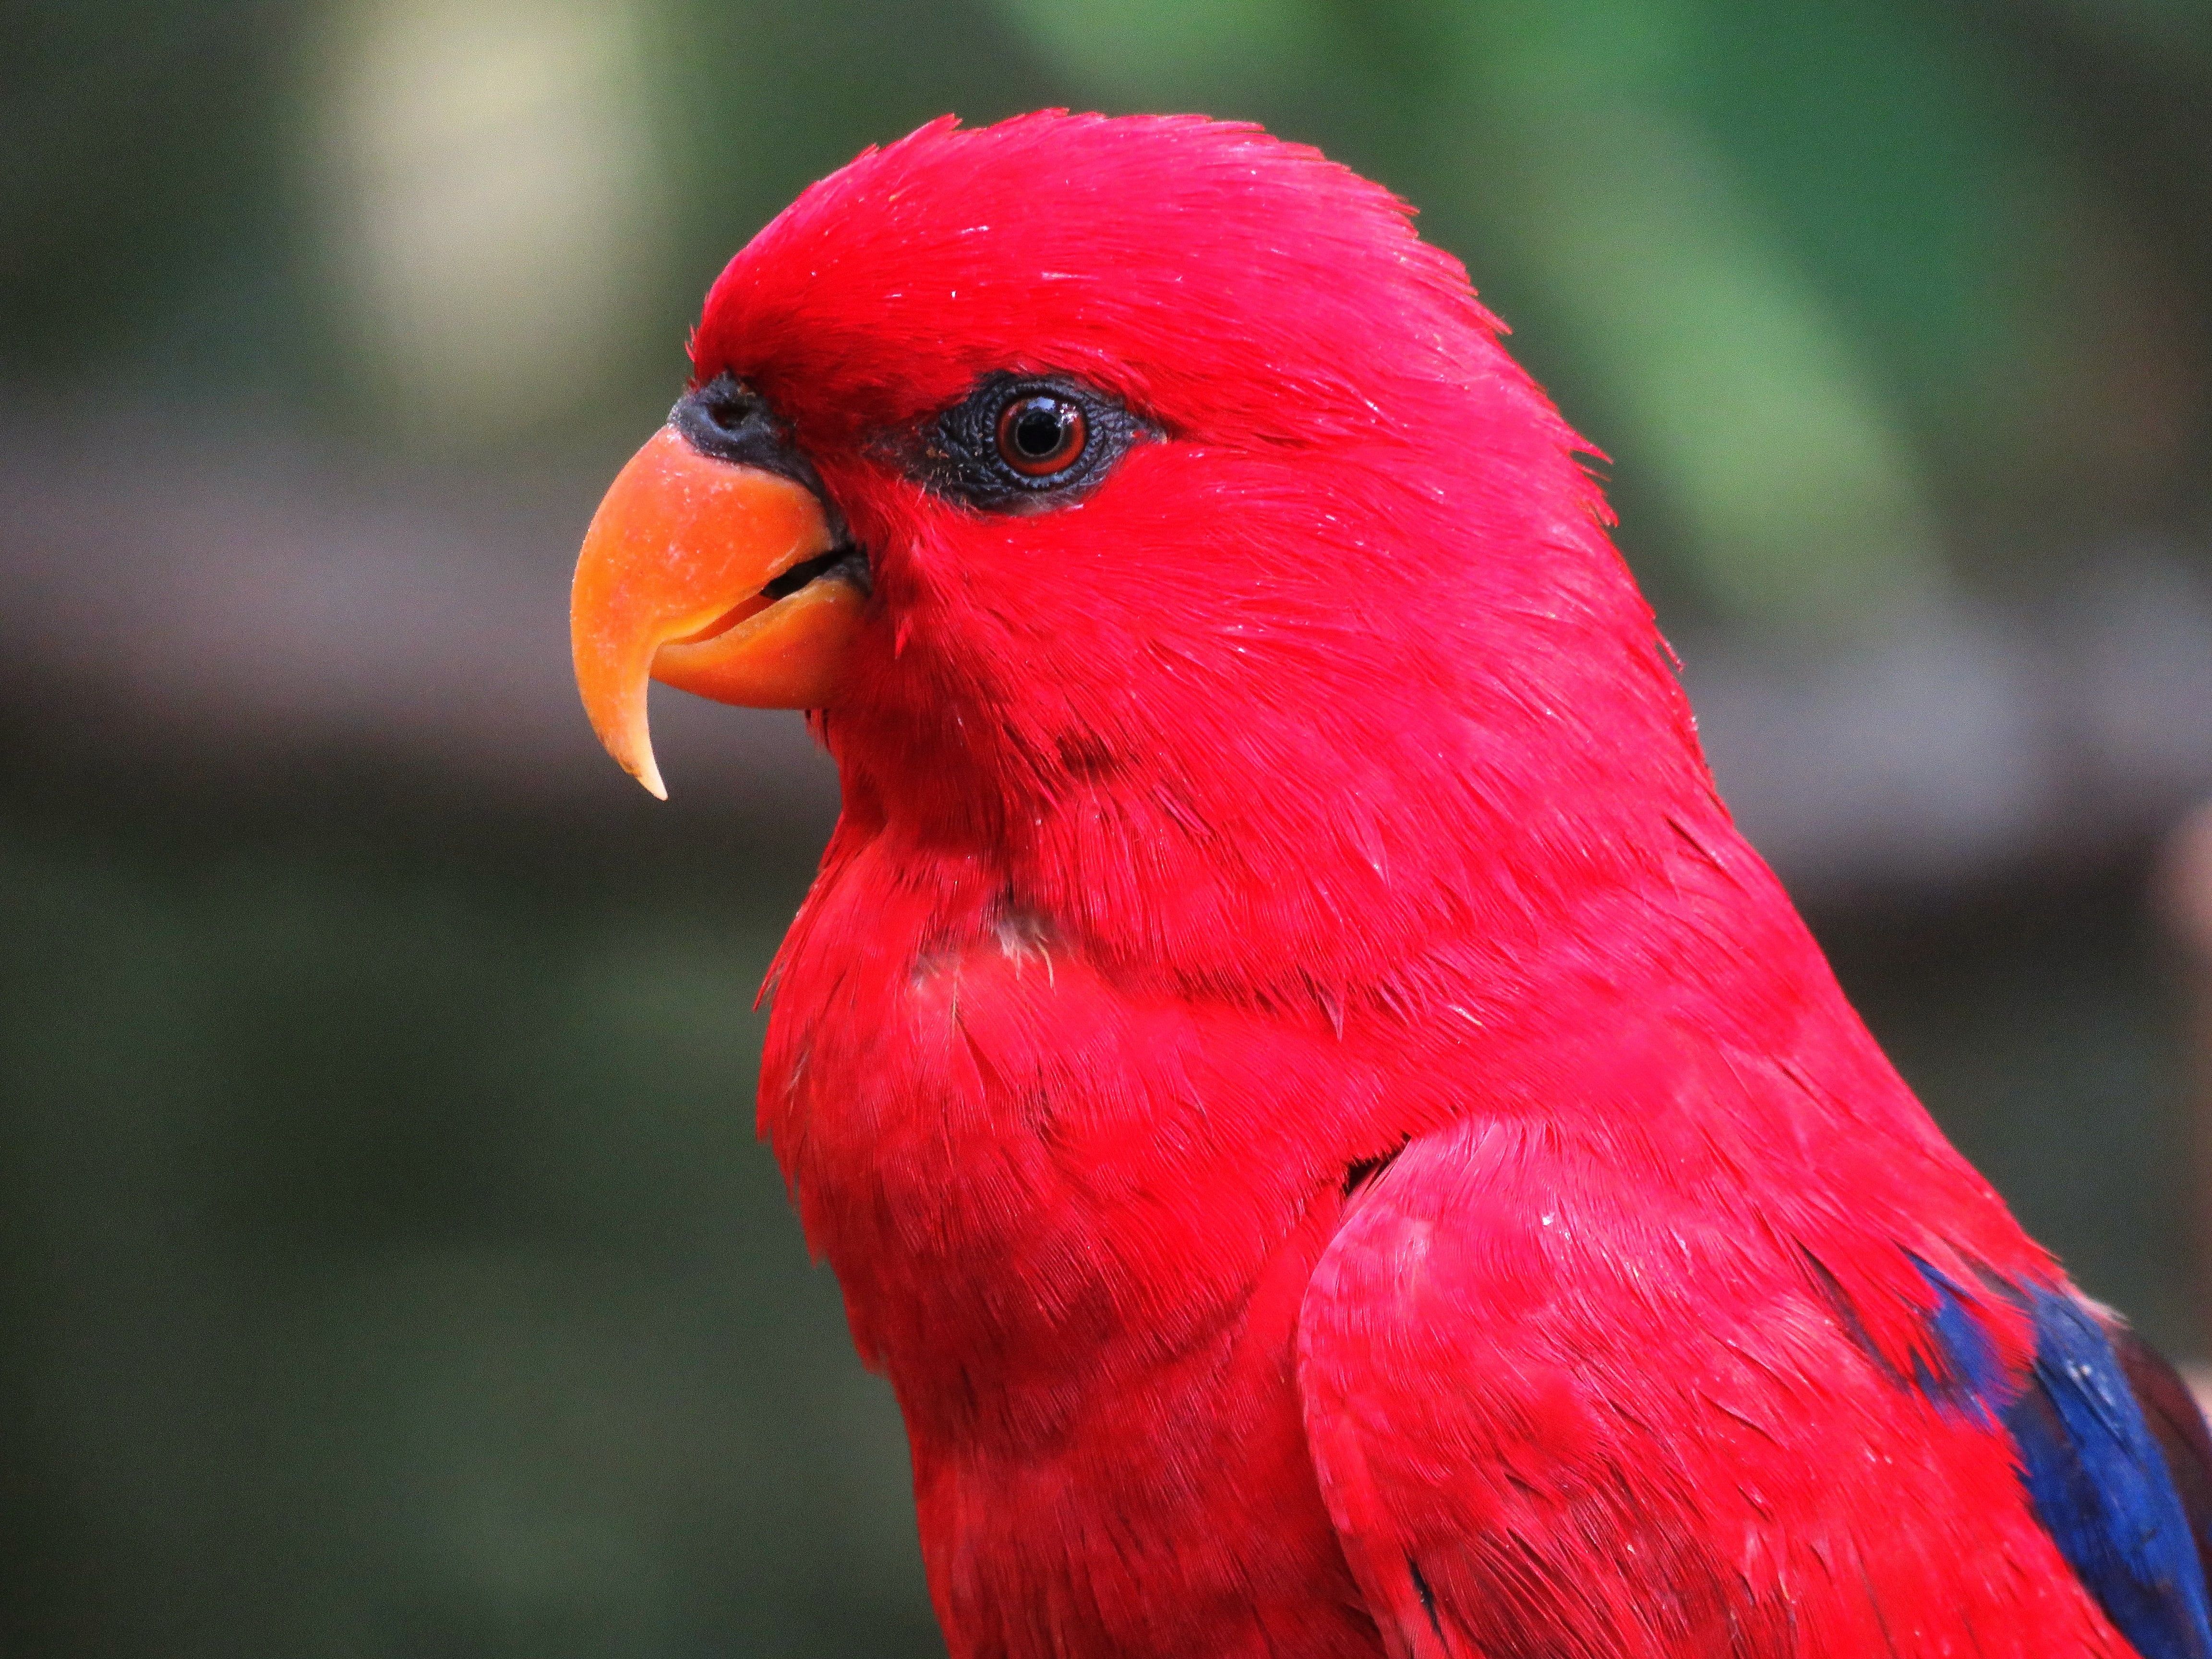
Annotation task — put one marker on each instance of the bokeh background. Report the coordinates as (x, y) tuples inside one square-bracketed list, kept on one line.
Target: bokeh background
[(386, 1266)]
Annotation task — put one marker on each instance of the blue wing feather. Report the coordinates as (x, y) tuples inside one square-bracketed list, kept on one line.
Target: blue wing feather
[(2101, 1486), (2097, 1476), (2170, 1408)]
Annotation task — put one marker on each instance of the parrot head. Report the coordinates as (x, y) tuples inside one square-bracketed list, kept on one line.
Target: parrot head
[(1141, 503)]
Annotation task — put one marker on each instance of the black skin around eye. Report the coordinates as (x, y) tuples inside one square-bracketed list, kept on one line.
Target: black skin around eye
[(960, 454)]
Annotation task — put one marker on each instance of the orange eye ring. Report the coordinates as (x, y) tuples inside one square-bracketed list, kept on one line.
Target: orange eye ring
[(1041, 435)]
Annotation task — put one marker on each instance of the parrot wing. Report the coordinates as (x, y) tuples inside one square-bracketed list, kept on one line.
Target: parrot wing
[(1552, 1412), (2176, 1423)]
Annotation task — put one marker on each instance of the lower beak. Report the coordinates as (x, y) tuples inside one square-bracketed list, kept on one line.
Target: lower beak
[(672, 586)]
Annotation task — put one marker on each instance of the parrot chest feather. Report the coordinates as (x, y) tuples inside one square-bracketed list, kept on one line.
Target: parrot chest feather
[(1028, 1184)]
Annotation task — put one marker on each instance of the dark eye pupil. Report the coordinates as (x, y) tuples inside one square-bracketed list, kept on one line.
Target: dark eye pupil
[(1039, 430), (1041, 436)]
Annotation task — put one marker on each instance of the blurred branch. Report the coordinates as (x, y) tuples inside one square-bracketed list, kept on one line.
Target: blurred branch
[(236, 603), (2184, 893)]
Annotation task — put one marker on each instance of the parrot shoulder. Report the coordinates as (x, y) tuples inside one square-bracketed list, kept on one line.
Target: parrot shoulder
[(1557, 1402)]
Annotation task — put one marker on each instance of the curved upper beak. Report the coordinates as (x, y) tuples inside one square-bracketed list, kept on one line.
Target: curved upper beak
[(713, 576)]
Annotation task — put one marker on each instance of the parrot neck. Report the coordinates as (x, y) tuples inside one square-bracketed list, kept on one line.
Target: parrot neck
[(1368, 880)]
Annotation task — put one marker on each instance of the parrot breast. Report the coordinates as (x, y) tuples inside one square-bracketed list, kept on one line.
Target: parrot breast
[(1039, 1198)]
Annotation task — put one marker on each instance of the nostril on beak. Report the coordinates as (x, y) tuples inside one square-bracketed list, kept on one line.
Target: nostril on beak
[(727, 419), (725, 404)]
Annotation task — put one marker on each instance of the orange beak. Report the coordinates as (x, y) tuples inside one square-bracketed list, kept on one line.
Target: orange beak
[(671, 587)]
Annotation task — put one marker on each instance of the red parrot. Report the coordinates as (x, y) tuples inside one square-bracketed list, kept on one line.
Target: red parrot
[(1339, 1145)]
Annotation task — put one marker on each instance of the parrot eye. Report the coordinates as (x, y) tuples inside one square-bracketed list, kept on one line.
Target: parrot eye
[(1041, 435), (1017, 443)]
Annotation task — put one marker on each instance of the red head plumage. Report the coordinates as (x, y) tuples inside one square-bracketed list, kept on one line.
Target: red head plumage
[(1351, 622)]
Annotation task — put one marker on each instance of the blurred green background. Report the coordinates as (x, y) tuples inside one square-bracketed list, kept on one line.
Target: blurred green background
[(387, 1267)]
